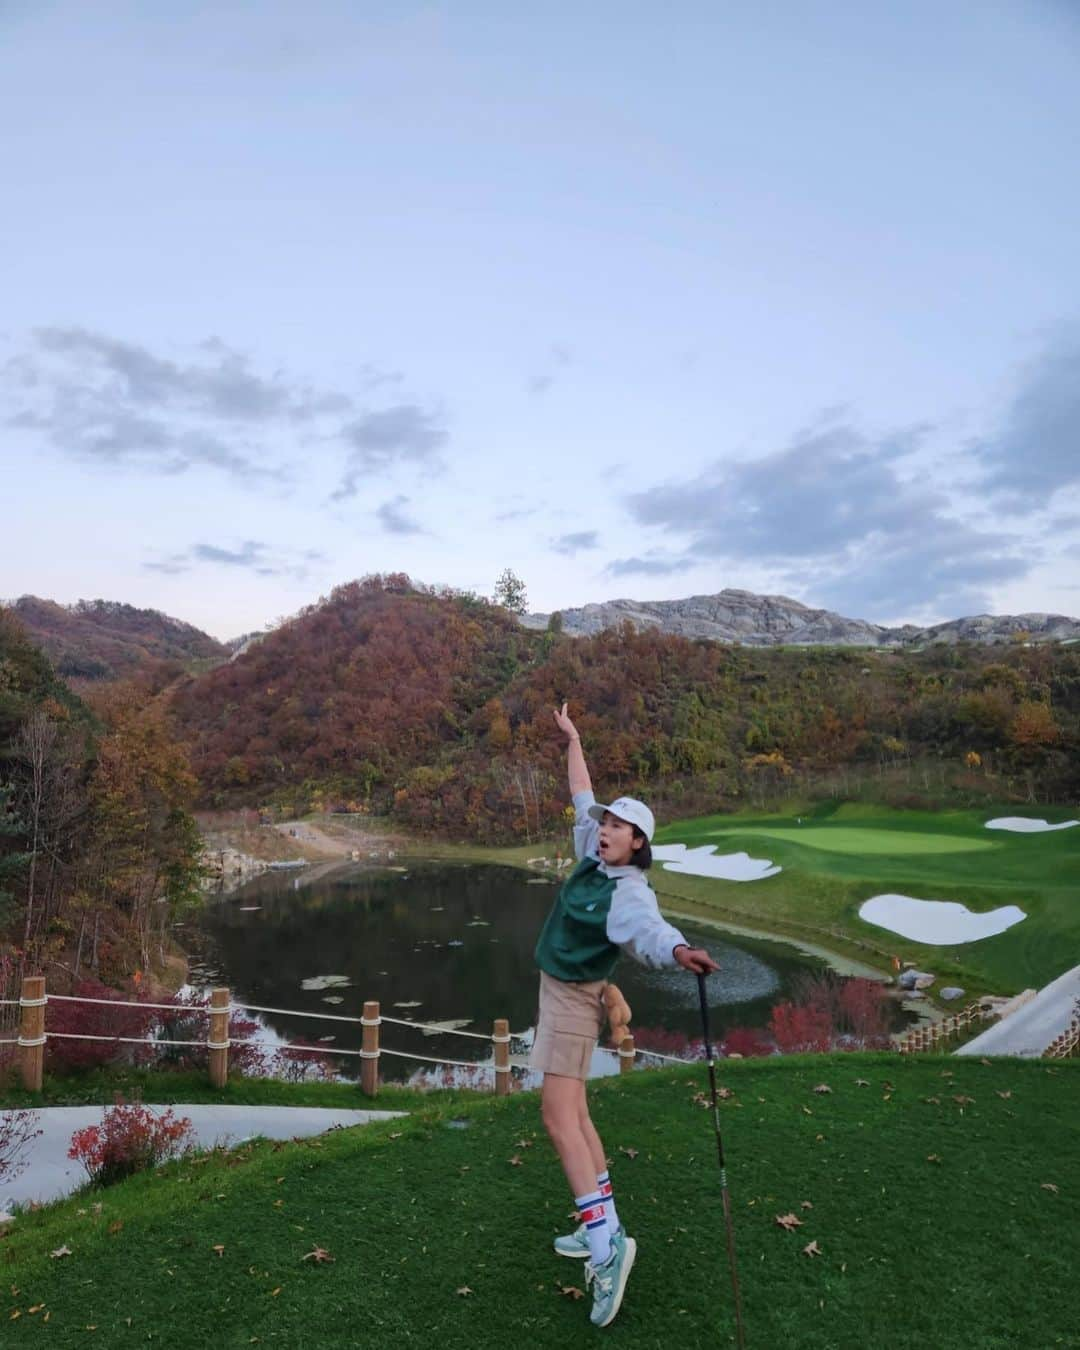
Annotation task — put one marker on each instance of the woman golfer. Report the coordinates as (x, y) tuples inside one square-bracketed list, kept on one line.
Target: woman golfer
[(605, 906)]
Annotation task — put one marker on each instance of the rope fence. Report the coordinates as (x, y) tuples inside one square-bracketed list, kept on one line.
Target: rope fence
[(33, 1037), (930, 1037)]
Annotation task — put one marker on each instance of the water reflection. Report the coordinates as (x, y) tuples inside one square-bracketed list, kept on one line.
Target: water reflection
[(448, 943)]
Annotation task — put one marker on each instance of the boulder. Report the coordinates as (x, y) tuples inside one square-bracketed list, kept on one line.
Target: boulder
[(915, 979), (952, 991)]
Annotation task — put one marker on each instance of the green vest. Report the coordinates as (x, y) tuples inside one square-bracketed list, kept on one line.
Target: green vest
[(573, 943)]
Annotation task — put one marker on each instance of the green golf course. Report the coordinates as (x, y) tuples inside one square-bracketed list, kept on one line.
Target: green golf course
[(834, 857)]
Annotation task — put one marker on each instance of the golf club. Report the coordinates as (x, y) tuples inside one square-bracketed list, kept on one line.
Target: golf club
[(720, 1154)]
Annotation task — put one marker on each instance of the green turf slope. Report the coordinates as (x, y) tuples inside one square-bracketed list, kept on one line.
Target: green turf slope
[(928, 1190), (840, 856)]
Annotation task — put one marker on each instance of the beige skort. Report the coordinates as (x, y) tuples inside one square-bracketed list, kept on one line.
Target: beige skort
[(568, 1025)]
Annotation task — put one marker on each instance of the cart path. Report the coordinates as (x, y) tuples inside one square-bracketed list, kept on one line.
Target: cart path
[(1030, 1029), (49, 1173)]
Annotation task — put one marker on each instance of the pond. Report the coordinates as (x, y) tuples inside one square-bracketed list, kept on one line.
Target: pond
[(445, 942)]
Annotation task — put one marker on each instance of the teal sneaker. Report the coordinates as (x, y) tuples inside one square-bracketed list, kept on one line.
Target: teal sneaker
[(576, 1244), (609, 1280)]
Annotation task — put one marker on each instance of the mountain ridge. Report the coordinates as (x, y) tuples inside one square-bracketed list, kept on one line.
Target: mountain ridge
[(734, 615)]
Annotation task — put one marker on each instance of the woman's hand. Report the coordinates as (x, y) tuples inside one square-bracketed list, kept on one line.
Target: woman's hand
[(695, 959), (565, 725)]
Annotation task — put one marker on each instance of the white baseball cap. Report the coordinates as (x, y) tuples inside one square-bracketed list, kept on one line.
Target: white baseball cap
[(629, 809)]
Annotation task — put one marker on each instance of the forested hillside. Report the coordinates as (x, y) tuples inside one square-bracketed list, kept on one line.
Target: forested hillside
[(96, 640), (95, 829), (435, 707)]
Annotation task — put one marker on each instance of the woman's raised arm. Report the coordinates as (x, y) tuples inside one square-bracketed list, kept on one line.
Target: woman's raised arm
[(576, 767)]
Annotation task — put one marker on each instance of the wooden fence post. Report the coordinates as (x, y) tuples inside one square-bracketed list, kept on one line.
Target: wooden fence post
[(626, 1054), (32, 1003), (501, 1038), (218, 1037), (369, 1055)]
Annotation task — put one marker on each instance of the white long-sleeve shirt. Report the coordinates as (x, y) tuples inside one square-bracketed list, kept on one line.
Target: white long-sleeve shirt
[(634, 921)]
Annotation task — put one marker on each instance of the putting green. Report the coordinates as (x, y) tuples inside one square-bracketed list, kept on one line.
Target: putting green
[(851, 839)]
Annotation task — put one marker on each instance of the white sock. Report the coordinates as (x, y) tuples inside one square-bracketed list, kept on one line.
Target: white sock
[(603, 1184), (592, 1214)]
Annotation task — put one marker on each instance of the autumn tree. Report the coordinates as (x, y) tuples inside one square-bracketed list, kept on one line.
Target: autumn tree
[(510, 592)]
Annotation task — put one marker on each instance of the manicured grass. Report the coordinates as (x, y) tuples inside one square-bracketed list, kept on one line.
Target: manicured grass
[(928, 1188), (862, 841), (828, 873), (102, 1086)]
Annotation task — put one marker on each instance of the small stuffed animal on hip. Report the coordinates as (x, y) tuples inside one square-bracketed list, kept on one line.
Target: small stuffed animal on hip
[(618, 1014)]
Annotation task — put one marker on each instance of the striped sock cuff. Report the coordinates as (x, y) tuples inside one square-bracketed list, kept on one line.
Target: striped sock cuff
[(590, 1209)]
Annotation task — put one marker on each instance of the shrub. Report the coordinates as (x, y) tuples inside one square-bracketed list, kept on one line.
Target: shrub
[(665, 1042), (94, 1019), (129, 1139), (295, 1064), (16, 1132), (800, 1027), (185, 1023), (746, 1041)]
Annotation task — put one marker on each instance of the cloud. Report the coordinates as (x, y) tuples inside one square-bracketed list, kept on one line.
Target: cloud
[(559, 357), (649, 567), (1037, 450), (223, 386), (120, 404), (250, 555), (570, 544), (834, 517), (378, 441), (393, 518)]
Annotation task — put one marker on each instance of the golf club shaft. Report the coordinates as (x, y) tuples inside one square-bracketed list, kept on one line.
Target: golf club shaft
[(723, 1170)]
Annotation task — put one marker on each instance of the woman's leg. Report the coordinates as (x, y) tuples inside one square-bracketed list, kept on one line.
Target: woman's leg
[(588, 1129), (564, 1108)]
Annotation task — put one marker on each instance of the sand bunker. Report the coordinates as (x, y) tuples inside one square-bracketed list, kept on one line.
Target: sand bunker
[(1022, 825), (938, 923), (705, 862)]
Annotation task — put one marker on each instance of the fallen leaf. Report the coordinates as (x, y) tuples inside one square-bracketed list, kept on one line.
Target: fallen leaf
[(806, 1205), (862, 1082), (1005, 1095), (61, 1251), (932, 1101), (464, 1290), (964, 1101), (788, 1221), (36, 1308), (220, 1248), (569, 1291), (397, 1134), (515, 1161), (630, 1152), (523, 1143), (823, 1087), (318, 1255), (724, 1093), (933, 1157), (812, 1249), (116, 1225), (807, 1111), (274, 1292), (1048, 1186), (278, 1204), (985, 1061)]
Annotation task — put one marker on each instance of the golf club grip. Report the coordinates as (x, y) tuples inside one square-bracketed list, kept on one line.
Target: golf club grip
[(704, 1015)]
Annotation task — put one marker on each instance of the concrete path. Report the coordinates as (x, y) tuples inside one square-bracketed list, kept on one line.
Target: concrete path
[(50, 1173), (1030, 1029)]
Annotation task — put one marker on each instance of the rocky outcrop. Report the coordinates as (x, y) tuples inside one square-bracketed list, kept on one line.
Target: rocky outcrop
[(772, 620)]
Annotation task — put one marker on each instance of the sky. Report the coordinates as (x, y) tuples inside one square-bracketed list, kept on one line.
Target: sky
[(639, 301)]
